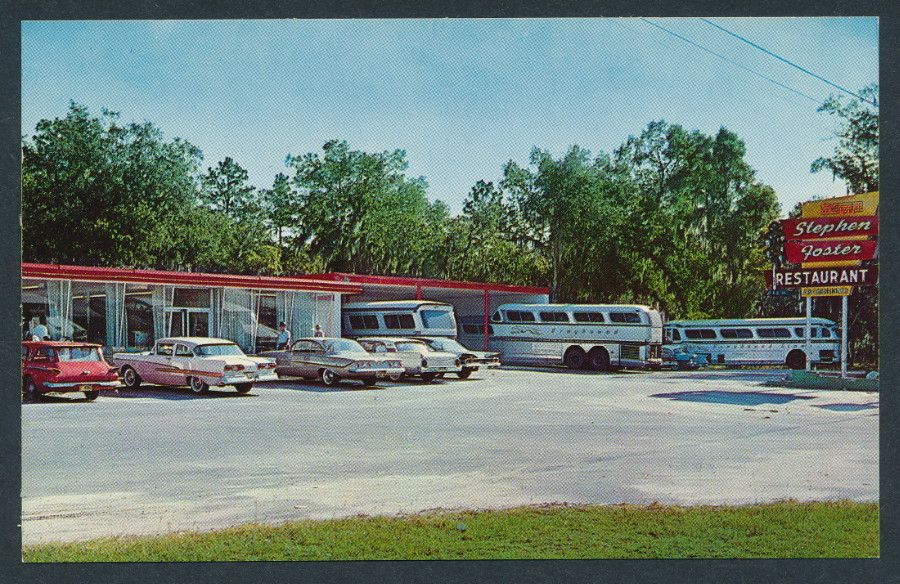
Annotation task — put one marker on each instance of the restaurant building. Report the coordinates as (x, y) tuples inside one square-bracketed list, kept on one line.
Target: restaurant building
[(127, 310)]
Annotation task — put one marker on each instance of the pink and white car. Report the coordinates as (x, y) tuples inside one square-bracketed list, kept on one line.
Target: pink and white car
[(197, 362)]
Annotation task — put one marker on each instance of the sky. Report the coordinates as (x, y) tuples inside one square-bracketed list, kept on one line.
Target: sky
[(460, 96)]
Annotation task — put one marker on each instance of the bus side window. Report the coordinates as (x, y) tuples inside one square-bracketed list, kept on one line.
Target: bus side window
[(676, 336)]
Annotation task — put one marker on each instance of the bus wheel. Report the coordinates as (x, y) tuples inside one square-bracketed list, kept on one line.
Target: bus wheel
[(575, 358), (796, 359), (598, 359)]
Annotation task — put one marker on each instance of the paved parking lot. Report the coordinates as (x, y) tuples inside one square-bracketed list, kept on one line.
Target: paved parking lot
[(164, 459)]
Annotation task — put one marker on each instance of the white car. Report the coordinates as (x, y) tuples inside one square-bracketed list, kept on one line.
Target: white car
[(471, 360), (416, 357), (197, 362)]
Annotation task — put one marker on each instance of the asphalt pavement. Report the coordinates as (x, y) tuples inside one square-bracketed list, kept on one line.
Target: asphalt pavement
[(161, 459)]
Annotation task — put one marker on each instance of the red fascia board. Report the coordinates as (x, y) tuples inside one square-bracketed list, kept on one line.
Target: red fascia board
[(428, 283), (59, 272)]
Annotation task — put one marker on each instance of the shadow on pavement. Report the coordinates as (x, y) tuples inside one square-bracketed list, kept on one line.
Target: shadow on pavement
[(174, 393)]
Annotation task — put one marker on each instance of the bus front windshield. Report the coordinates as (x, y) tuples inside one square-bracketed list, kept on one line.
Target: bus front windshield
[(437, 319)]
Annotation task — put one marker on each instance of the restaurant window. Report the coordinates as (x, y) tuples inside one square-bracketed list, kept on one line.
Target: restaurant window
[(139, 317), (89, 312), (267, 322), (191, 298), (35, 309)]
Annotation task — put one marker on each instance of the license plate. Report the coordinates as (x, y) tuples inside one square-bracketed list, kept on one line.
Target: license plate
[(85, 388)]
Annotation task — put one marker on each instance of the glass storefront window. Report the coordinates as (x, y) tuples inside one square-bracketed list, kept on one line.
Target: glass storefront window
[(35, 309), (138, 317), (191, 298), (89, 312), (267, 322)]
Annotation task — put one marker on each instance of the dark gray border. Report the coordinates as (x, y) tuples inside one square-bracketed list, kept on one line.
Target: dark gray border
[(884, 569)]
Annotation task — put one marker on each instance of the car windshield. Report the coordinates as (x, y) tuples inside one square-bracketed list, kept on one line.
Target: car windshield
[(344, 346), (78, 354), (224, 349), (408, 346), (448, 345)]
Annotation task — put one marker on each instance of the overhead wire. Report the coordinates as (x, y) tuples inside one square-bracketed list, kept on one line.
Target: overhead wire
[(791, 63), (732, 62)]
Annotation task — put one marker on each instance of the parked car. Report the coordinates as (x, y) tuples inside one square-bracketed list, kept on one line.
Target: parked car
[(417, 357), (55, 366), (470, 360), (197, 362), (332, 360)]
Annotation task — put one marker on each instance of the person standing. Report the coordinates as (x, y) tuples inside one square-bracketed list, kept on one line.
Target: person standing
[(318, 332), (284, 337), (40, 330)]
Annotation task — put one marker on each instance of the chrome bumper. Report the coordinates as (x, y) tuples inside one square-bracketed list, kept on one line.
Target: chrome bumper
[(68, 384)]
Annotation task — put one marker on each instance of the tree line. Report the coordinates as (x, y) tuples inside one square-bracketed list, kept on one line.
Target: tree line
[(672, 217)]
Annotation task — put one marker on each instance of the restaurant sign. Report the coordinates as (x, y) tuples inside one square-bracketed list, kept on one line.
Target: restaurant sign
[(798, 252), (822, 227), (843, 276), (815, 291)]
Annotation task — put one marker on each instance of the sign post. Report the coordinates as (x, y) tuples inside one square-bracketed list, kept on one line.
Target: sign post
[(808, 333), (844, 336)]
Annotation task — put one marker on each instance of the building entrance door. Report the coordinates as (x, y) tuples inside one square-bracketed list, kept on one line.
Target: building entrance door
[(188, 322)]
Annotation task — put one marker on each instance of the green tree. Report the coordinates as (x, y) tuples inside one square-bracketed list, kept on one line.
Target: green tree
[(117, 192), (855, 159), (225, 189)]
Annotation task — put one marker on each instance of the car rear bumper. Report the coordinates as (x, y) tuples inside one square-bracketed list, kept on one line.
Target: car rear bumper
[(379, 372)]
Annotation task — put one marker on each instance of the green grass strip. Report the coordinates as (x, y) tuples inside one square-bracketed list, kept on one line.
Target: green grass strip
[(788, 529)]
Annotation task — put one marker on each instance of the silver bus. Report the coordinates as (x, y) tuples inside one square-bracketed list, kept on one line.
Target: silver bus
[(756, 341), (579, 336), (399, 318)]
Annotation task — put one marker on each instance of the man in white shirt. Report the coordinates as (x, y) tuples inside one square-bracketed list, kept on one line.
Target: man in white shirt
[(284, 337)]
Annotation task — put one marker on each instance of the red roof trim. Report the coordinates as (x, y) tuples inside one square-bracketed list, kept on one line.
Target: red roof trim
[(427, 283), (64, 272)]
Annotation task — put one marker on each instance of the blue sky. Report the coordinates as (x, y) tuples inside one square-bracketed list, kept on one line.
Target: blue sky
[(460, 96)]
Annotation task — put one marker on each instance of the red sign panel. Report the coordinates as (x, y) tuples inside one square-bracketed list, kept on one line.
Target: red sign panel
[(822, 227), (844, 276), (800, 252)]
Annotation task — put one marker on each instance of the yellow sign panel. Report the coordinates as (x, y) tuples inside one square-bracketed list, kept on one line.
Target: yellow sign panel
[(849, 206), (865, 204), (814, 291)]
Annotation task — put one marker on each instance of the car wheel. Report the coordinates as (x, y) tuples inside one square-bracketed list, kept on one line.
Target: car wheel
[(370, 381), (197, 385), (91, 395), (796, 359), (465, 373), (396, 377), (29, 391), (131, 378), (598, 359), (243, 387), (330, 378), (575, 358), (429, 377)]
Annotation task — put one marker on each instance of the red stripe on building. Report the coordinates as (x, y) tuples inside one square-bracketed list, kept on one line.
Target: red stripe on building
[(426, 283), (92, 273)]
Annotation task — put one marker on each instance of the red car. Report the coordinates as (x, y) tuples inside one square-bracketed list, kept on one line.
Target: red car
[(61, 366)]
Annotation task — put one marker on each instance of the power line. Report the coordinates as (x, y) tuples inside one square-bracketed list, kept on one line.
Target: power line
[(727, 60), (783, 60)]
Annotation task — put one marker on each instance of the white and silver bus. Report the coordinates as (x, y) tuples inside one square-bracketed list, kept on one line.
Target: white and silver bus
[(399, 318), (756, 341), (595, 336)]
